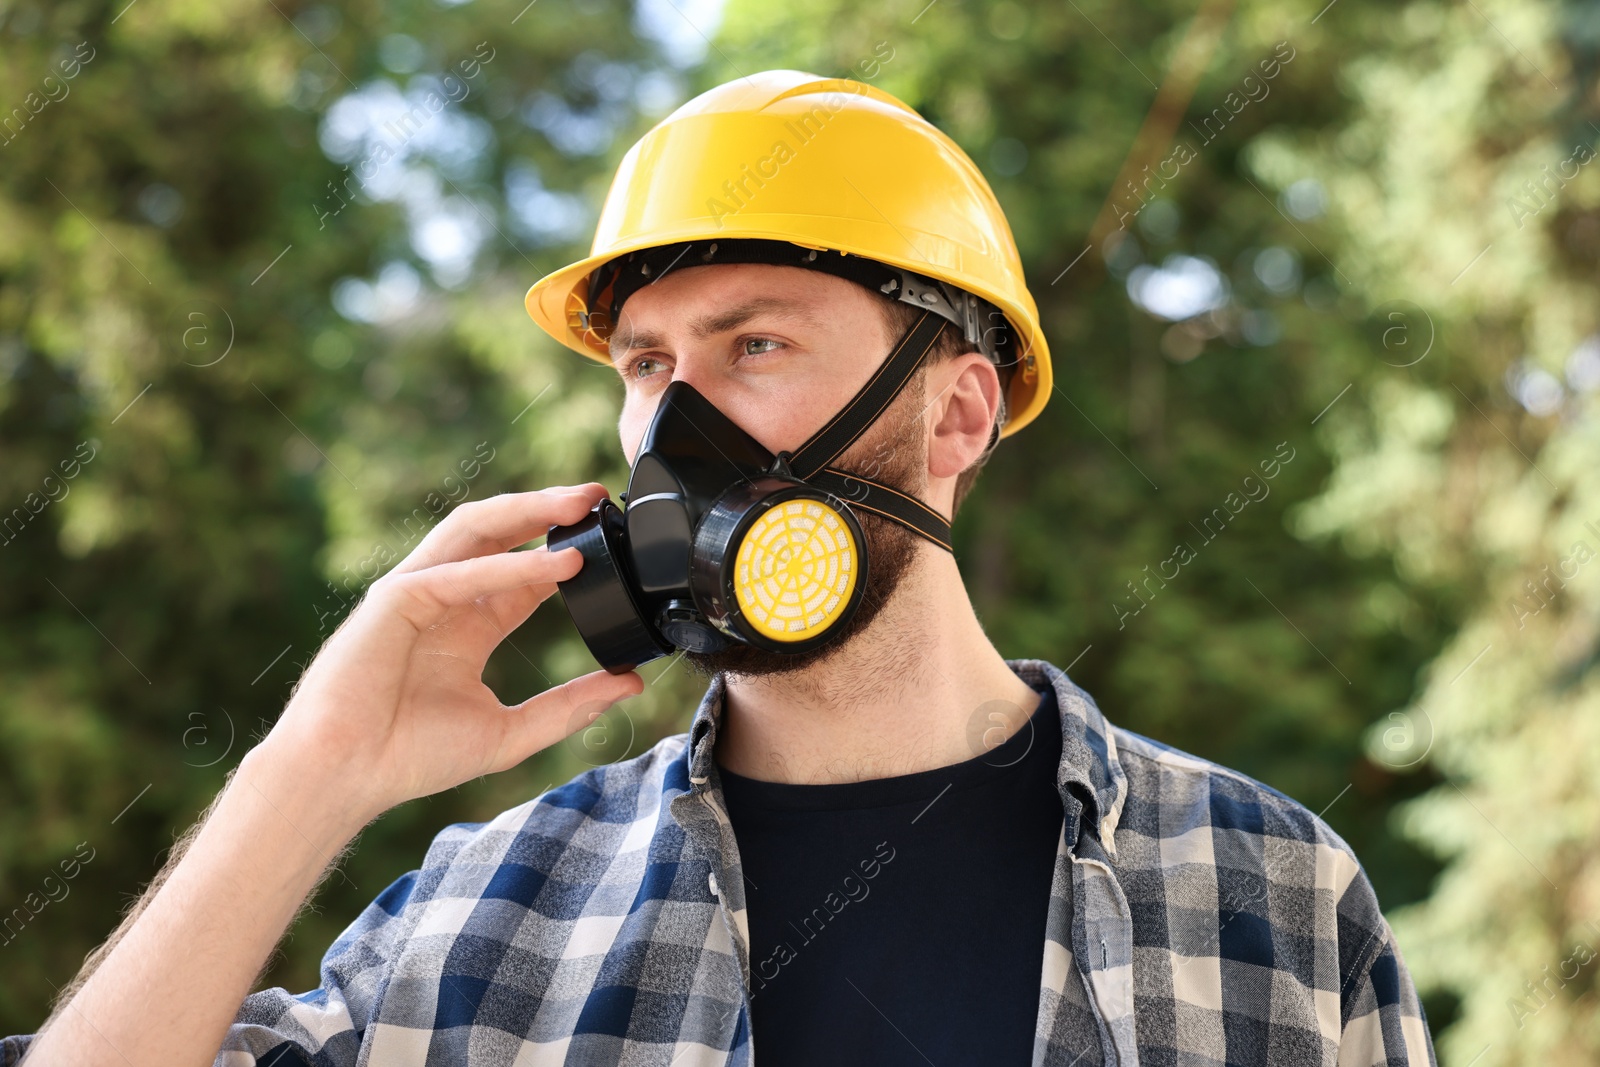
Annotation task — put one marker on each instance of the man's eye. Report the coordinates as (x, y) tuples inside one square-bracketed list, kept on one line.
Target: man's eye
[(638, 367), (635, 364)]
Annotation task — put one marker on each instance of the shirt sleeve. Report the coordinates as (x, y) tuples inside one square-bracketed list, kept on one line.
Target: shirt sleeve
[(324, 1027), (1386, 1025)]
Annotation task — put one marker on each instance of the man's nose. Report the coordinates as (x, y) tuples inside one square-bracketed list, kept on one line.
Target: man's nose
[(697, 372), (695, 368), (702, 372)]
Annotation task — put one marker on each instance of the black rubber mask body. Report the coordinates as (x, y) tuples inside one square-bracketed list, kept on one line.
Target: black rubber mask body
[(724, 542)]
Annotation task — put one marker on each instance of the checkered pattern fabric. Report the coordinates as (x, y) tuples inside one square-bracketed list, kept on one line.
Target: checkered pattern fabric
[(1197, 917)]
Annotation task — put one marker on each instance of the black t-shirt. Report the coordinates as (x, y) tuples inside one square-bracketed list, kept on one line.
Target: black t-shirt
[(902, 920)]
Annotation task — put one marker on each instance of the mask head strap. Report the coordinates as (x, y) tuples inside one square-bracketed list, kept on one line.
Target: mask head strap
[(870, 401), (810, 462)]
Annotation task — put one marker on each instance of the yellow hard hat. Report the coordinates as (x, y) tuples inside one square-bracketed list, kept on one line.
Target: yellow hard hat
[(824, 163)]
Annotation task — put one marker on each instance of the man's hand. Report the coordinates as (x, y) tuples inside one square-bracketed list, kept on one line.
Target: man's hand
[(394, 704), (393, 707)]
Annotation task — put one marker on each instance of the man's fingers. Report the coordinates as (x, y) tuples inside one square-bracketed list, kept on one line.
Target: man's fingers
[(424, 597), (558, 713), (507, 611), (498, 523)]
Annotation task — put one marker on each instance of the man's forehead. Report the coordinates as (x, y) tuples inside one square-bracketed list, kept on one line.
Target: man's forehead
[(776, 293)]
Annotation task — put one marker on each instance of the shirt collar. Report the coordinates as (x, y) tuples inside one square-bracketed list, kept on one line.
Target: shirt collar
[(1090, 777)]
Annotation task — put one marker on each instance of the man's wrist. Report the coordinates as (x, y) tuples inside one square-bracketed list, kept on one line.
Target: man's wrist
[(324, 806)]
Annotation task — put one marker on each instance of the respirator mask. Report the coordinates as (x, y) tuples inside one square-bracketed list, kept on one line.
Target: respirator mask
[(721, 541)]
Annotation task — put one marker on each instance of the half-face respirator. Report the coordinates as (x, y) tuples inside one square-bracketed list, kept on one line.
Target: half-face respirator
[(723, 542)]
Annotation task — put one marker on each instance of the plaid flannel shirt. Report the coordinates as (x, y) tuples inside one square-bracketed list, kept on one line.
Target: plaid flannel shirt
[(1197, 916)]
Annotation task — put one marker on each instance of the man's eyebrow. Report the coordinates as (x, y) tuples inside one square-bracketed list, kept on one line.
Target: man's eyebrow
[(721, 321)]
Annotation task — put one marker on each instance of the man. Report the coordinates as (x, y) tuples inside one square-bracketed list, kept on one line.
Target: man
[(886, 846)]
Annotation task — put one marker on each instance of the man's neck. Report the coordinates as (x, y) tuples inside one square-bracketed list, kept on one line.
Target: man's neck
[(921, 688)]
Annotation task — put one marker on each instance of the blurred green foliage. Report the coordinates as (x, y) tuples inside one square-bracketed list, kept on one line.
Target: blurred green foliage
[(1345, 357)]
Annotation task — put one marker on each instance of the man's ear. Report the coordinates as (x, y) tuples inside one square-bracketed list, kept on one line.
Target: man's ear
[(964, 400)]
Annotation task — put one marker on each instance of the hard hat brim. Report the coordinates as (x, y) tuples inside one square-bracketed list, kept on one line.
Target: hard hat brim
[(557, 301)]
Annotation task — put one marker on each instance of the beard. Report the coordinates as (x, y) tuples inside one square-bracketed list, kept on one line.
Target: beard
[(893, 451)]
